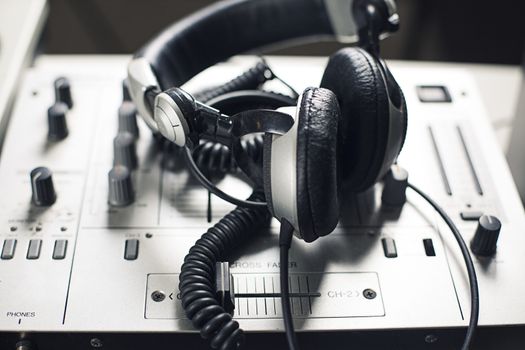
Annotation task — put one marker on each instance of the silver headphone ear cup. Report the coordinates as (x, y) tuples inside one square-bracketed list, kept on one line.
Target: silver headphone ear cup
[(300, 167), (280, 172)]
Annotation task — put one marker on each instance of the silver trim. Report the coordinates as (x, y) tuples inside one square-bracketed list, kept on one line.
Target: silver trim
[(140, 78), (169, 120), (284, 172)]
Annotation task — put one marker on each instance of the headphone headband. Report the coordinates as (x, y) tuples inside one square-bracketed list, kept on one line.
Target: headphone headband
[(232, 27)]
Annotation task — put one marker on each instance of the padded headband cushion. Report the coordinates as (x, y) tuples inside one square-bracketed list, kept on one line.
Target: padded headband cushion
[(355, 77), (228, 28), (317, 196)]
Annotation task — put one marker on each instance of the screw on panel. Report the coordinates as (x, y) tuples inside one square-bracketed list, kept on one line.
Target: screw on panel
[(158, 296), (369, 293), (431, 338), (96, 343)]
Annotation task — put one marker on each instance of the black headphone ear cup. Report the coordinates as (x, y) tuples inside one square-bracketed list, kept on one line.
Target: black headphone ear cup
[(317, 177), (368, 139)]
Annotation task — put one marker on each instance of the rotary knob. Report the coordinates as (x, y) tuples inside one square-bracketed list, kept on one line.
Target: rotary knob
[(63, 91), (120, 186), (42, 187), (124, 150), (57, 124), (127, 118), (486, 237), (395, 185)]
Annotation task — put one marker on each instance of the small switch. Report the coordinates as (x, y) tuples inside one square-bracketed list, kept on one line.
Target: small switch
[(389, 247), (8, 250), (433, 93), (131, 251), (429, 247), (33, 251), (471, 215), (59, 251)]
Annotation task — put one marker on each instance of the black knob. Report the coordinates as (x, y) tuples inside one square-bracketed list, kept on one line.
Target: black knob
[(125, 91), (63, 91), (395, 184), (485, 239), (124, 150), (42, 187), (56, 120), (127, 118), (120, 187)]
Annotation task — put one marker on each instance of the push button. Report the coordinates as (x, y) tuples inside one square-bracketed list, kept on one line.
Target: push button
[(33, 251), (429, 247), (131, 250), (8, 250), (59, 251), (389, 247), (470, 215), (433, 93)]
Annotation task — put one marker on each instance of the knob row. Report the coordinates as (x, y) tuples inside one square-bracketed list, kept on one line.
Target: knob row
[(56, 114), (125, 160)]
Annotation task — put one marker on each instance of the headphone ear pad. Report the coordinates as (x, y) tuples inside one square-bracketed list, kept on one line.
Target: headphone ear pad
[(317, 177), (371, 136)]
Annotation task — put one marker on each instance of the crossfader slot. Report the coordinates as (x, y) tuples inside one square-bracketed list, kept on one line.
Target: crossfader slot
[(443, 172), (473, 172)]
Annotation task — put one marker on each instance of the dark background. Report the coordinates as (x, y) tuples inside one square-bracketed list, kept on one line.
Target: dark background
[(440, 30)]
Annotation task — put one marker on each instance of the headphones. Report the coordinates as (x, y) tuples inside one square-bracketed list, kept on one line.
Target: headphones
[(342, 136), (339, 138)]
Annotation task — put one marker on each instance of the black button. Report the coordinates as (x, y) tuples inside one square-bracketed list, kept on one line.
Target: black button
[(471, 215), (429, 247), (433, 93), (33, 251), (131, 250), (59, 251), (389, 247), (8, 250)]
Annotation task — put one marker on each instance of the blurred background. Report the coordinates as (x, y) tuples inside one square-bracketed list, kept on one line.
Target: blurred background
[(437, 30)]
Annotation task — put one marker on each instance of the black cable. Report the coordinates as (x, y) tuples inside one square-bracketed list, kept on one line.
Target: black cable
[(210, 186), (285, 241), (216, 159), (197, 277), (473, 281)]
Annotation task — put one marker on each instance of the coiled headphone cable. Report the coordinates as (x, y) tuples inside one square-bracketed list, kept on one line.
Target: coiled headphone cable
[(197, 278)]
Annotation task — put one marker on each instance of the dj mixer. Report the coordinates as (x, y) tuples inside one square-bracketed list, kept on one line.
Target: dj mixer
[(91, 258)]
